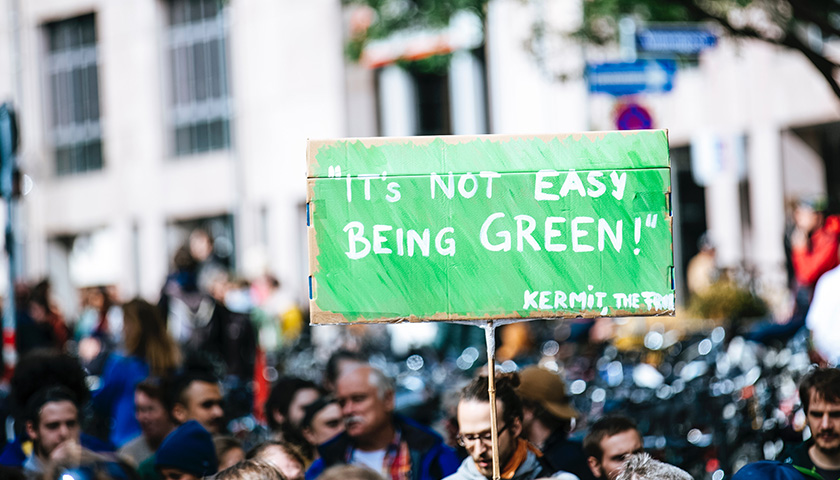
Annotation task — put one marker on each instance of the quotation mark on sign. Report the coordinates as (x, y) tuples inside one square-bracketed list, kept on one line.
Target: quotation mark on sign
[(334, 171), (650, 222)]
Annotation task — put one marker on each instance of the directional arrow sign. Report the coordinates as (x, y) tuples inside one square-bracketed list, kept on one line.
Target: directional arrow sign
[(650, 76), (683, 40)]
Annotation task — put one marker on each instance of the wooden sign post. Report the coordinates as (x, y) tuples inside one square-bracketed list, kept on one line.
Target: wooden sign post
[(481, 229)]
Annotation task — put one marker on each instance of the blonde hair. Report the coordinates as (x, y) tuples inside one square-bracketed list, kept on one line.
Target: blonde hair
[(251, 470)]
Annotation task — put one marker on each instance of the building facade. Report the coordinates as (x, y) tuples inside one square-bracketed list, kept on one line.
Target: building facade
[(143, 120)]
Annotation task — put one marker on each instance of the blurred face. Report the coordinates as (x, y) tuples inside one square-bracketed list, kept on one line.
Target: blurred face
[(152, 417), (284, 462), (806, 218), (616, 449), (175, 474), (474, 432), (325, 425), (363, 411), (302, 398), (824, 422), (203, 403), (231, 457), (58, 423)]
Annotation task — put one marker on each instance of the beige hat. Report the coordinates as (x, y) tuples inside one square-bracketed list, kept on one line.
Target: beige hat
[(548, 389)]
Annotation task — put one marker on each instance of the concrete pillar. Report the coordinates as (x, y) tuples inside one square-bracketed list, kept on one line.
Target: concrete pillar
[(767, 203), (397, 104), (466, 92)]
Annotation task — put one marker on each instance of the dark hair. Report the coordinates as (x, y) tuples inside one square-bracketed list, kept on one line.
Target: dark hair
[(826, 384), (506, 384), (43, 368), (281, 396), (196, 369), (331, 371), (91, 466), (605, 427), (551, 421), (152, 387), (55, 393), (313, 408)]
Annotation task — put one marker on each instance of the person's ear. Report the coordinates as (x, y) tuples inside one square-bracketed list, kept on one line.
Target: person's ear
[(389, 401), (278, 417), (595, 466), (180, 413), (309, 435), (30, 430), (516, 427)]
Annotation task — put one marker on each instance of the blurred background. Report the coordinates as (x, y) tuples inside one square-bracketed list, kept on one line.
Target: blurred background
[(141, 121), (157, 137)]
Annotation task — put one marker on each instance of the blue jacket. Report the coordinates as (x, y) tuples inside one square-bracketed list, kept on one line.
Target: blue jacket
[(116, 396), (431, 459)]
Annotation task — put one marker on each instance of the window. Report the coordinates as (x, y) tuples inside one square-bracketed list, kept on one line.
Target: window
[(74, 95), (200, 103)]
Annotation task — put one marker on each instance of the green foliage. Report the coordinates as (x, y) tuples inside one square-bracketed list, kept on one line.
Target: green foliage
[(726, 300), (392, 16)]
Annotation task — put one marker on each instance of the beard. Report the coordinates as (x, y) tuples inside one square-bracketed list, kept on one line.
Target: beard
[(828, 443)]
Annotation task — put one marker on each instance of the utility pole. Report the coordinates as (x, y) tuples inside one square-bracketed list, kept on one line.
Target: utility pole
[(9, 188)]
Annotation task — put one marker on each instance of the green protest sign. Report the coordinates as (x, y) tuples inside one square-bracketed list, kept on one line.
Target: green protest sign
[(490, 227)]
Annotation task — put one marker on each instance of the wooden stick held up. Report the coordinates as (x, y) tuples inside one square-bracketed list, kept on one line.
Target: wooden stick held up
[(490, 339)]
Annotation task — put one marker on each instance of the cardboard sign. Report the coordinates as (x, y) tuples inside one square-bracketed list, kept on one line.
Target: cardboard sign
[(489, 227)]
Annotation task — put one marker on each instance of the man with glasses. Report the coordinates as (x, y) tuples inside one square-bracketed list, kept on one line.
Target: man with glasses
[(518, 459)]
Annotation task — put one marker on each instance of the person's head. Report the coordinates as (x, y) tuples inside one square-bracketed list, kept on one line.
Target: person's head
[(229, 451), (196, 395), (251, 470), (640, 466), (609, 442), (544, 400), (819, 392), (284, 456), (288, 397), (809, 213), (145, 336), (188, 453), (321, 421), (52, 419), (474, 427), (339, 363), (768, 470), (349, 472), (154, 420), (366, 398), (40, 369)]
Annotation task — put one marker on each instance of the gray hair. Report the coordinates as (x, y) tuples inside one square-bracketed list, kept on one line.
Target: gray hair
[(640, 466), (383, 383)]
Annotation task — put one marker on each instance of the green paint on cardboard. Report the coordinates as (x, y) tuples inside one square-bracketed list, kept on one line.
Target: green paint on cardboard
[(469, 228)]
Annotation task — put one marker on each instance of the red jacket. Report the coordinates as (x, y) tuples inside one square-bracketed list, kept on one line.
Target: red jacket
[(810, 263)]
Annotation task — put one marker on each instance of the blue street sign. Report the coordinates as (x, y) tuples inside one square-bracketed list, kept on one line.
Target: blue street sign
[(682, 40), (651, 76)]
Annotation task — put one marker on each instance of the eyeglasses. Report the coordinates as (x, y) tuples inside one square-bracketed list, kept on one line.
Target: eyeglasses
[(484, 437)]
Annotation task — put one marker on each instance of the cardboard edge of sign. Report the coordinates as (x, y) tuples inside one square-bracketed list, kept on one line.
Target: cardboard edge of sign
[(321, 317), (315, 144)]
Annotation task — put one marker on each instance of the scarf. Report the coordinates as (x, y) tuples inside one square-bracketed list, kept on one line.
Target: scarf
[(519, 456)]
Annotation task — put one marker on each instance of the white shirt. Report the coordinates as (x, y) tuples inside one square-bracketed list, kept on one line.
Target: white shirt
[(373, 460), (824, 315)]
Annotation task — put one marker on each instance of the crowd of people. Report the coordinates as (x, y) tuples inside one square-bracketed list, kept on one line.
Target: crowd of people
[(160, 391), (348, 428)]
